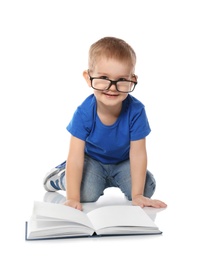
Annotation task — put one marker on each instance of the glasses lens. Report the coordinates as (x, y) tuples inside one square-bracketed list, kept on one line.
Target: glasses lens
[(124, 86), (100, 84)]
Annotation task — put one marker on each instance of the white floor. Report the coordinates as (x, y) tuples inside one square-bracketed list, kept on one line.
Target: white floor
[(177, 222)]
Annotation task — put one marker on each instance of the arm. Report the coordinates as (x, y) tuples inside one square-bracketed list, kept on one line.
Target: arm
[(138, 162), (74, 171)]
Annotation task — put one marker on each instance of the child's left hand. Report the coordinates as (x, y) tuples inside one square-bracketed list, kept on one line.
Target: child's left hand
[(142, 201)]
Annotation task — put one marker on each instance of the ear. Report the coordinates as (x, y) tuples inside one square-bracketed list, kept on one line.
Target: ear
[(87, 78), (134, 77)]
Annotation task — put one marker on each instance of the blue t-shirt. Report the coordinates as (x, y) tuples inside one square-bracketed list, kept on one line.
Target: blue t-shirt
[(109, 144)]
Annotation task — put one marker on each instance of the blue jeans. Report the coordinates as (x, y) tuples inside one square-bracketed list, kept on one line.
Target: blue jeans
[(98, 176)]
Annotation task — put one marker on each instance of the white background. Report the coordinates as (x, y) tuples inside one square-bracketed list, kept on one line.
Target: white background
[(43, 52)]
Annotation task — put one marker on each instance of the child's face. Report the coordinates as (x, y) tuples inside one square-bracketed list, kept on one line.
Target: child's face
[(113, 70)]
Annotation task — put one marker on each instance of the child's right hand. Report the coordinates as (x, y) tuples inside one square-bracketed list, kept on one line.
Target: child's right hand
[(74, 204)]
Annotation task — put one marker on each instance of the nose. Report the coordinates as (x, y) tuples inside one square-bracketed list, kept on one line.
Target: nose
[(112, 86)]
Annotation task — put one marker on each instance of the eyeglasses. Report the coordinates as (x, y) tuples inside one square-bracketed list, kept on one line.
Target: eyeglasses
[(122, 85)]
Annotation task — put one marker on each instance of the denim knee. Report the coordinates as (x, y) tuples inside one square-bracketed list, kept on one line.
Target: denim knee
[(150, 185), (93, 182), (91, 189), (87, 196), (149, 189)]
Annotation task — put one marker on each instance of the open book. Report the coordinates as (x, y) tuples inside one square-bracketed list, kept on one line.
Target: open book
[(50, 221)]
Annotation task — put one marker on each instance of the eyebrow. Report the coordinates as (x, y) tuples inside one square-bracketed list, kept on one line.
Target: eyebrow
[(107, 75)]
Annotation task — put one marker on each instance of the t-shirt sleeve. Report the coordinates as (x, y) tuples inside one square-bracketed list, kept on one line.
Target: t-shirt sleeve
[(79, 125), (139, 125)]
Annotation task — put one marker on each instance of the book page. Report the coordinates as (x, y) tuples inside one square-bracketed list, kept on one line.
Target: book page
[(61, 212), (121, 215), (51, 229)]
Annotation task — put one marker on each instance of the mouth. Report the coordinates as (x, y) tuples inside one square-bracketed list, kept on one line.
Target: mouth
[(110, 94)]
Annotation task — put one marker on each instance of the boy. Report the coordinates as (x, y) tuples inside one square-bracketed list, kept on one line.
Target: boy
[(108, 133)]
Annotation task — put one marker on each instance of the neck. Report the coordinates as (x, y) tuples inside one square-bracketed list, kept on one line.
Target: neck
[(108, 115)]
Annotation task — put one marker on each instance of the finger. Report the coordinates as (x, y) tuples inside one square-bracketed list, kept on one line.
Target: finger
[(138, 203), (161, 204), (79, 206), (157, 204)]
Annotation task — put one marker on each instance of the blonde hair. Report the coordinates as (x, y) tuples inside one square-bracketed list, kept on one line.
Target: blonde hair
[(111, 47)]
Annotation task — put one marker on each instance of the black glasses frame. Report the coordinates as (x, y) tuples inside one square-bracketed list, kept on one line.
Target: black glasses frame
[(112, 82)]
